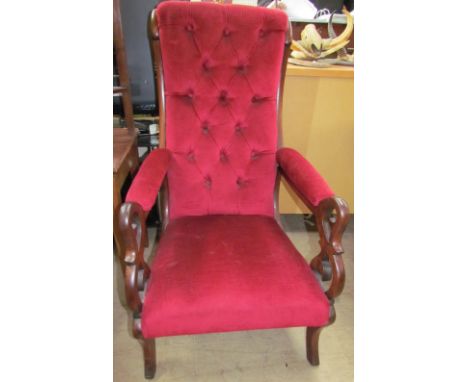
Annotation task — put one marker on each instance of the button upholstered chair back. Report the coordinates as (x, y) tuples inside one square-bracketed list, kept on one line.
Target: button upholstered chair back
[(220, 75)]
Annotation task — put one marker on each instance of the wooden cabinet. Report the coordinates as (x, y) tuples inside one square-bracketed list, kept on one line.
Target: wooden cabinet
[(318, 121)]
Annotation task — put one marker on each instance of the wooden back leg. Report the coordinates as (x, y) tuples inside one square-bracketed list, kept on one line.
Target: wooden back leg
[(312, 345)]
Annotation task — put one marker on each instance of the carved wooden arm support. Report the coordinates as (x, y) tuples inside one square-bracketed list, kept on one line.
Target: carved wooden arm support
[(132, 224), (331, 216)]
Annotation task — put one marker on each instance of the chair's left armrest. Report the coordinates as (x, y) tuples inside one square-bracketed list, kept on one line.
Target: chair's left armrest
[(145, 187), (331, 215)]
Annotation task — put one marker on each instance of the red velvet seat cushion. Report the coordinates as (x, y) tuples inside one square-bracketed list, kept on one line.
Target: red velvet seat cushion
[(226, 273)]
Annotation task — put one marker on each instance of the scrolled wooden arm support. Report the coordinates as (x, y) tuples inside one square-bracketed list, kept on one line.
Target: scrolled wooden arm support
[(132, 225), (332, 216)]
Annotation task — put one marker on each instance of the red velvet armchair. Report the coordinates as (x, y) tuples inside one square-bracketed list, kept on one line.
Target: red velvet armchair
[(223, 262)]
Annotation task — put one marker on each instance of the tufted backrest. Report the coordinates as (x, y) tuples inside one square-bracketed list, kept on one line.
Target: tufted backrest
[(221, 66)]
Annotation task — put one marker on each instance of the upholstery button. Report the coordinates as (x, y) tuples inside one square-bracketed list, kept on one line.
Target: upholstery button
[(261, 33), (223, 97), (205, 128), (223, 155), (206, 65), (226, 32), (238, 128), (191, 156), (207, 181), (254, 155), (241, 68), (189, 94), (190, 28), (256, 99), (239, 182)]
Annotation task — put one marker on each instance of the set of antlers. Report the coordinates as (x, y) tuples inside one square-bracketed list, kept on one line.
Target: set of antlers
[(312, 49)]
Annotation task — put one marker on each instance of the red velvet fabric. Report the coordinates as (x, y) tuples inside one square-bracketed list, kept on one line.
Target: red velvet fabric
[(145, 187), (227, 273), (303, 176), (221, 71)]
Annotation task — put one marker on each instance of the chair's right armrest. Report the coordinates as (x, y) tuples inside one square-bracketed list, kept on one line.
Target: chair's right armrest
[(145, 187), (305, 180)]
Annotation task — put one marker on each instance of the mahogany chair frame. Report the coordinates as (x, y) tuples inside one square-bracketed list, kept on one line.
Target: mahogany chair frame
[(331, 215)]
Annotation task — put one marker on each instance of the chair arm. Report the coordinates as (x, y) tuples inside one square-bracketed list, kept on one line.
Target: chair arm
[(136, 272), (331, 216), (303, 177), (145, 187)]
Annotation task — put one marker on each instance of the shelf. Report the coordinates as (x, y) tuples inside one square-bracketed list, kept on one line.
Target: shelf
[(335, 71)]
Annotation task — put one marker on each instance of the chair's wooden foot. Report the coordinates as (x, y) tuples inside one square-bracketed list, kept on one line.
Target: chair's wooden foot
[(149, 354), (312, 345), (312, 339)]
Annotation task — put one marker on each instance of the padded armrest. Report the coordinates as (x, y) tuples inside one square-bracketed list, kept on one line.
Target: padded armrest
[(145, 187), (306, 180)]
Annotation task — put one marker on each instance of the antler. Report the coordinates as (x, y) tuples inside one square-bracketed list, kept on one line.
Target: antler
[(311, 49)]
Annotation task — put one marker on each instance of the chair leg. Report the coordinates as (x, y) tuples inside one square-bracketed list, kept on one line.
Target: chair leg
[(312, 339), (149, 355), (312, 345)]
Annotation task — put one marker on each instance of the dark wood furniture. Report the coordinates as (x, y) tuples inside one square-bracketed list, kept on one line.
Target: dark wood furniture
[(125, 162), (125, 159), (123, 88)]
